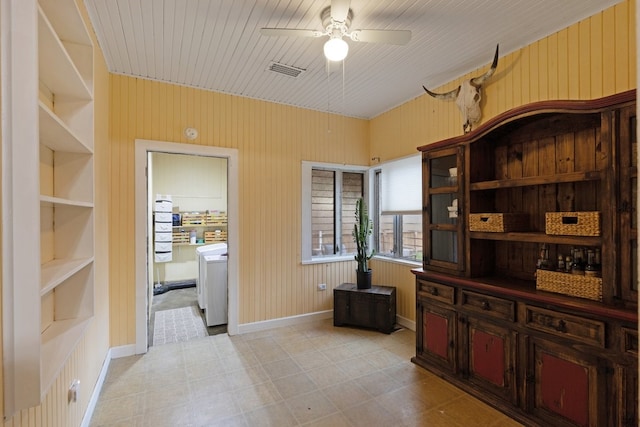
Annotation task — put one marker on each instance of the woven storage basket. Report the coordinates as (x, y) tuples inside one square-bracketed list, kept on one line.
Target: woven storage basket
[(573, 223), (498, 222), (569, 284)]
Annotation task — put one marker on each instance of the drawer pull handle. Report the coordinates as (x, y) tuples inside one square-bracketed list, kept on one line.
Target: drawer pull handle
[(434, 291), (562, 326), (486, 305)]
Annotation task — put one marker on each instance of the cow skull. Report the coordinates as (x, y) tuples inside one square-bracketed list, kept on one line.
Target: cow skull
[(468, 96)]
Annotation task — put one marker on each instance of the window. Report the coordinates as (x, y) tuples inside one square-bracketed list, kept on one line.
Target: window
[(329, 195), (398, 209)]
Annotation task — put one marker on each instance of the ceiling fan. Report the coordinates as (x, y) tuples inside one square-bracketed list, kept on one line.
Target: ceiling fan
[(336, 20)]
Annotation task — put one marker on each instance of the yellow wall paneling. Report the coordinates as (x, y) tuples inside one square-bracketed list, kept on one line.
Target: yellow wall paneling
[(594, 58), (272, 140)]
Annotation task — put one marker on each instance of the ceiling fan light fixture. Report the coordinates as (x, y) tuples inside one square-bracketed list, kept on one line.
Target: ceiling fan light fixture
[(336, 49)]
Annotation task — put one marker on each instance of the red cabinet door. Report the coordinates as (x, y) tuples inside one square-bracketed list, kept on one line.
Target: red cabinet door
[(564, 387), (437, 335), (567, 387), (490, 362)]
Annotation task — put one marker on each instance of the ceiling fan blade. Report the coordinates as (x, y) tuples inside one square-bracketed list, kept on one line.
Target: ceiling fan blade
[(340, 9), (400, 37), (290, 32)]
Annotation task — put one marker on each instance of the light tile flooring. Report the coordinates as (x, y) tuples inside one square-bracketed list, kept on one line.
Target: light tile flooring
[(311, 374)]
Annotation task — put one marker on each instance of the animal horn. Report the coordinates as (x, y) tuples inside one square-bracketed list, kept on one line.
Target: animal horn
[(453, 94), (477, 81)]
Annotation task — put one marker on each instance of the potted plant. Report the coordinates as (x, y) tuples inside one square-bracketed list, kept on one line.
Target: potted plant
[(362, 229)]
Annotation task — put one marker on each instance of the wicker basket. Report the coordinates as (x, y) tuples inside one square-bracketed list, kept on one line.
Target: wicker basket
[(573, 223), (498, 222), (569, 284)]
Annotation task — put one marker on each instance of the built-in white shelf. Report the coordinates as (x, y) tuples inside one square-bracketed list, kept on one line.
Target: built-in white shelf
[(56, 135), (57, 271), (57, 70), (57, 342), (52, 201), (50, 180), (67, 21), (74, 35)]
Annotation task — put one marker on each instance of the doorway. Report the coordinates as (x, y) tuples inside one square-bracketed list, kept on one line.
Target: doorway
[(147, 275), (187, 197)]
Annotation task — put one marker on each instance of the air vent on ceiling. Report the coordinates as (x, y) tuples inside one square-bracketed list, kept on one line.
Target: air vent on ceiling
[(287, 70)]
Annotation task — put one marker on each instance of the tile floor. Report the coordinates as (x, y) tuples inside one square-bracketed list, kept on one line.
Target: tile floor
[(178, 298), (311, 374)]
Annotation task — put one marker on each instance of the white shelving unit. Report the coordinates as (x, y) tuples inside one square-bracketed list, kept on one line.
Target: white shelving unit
[(50, 269)]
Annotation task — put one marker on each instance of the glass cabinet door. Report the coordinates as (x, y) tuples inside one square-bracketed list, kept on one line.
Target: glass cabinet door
[(628, 203), (443, 220)]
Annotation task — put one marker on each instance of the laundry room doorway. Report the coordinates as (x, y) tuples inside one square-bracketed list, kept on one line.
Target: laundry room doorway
[(186, 206)]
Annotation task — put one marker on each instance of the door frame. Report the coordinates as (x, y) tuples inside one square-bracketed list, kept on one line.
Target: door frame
[(142, 253)]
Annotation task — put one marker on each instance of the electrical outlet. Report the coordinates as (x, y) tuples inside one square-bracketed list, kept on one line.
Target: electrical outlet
[(322, 286), (74, 389)]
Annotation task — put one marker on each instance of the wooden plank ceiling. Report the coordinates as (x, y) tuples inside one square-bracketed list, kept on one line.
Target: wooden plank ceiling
[(216, 45)]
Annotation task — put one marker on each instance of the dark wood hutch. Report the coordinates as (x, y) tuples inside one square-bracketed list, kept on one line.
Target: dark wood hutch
[(544, 358)]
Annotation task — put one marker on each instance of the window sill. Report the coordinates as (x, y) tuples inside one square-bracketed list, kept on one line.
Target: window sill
[(344, 258), (328, 259), (408, 263)]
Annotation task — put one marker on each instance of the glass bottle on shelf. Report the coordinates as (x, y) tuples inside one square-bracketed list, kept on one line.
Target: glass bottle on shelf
[(577, 266), (567, 264), (591, 268), (543, 261)]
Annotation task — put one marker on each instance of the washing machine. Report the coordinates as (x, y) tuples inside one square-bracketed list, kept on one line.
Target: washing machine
[(201, 252), (215, 289)]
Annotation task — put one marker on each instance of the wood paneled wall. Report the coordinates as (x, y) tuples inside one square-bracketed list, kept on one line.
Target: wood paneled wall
[(594, 58), (272, 141), (591, 59)]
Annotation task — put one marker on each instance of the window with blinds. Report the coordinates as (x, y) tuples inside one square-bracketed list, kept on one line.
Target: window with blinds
[(398, 208)]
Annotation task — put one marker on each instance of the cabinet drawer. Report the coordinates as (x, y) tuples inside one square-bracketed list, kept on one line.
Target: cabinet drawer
[(565, 325), (436, 291), (488, 305)]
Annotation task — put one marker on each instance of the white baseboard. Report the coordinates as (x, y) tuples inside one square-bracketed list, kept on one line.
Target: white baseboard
[(86, 420), (407, 323), (123, 351), (283, 321), (293, 320)]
